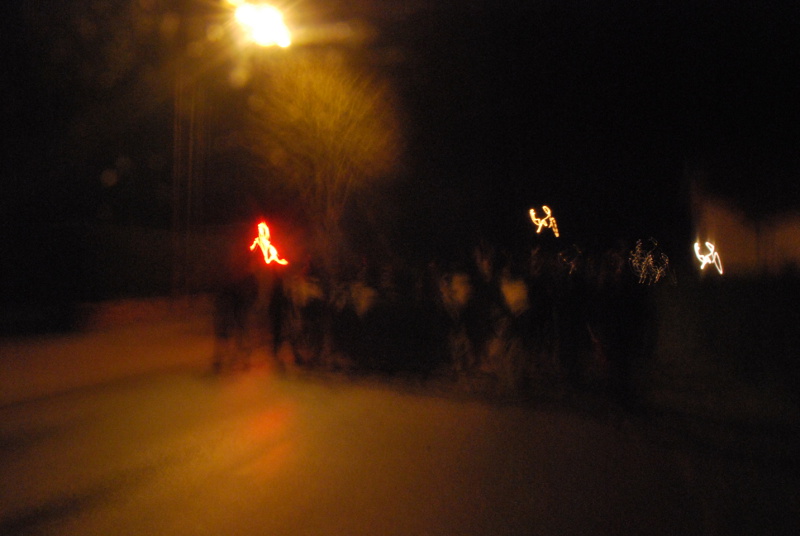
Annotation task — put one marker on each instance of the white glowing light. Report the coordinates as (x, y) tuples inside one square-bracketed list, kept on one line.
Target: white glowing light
[(263, 241), (547, 221), (263, 24), (712, 257)]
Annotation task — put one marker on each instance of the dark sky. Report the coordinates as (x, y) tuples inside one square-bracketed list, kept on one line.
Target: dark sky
[(608, 106), (601, 109)]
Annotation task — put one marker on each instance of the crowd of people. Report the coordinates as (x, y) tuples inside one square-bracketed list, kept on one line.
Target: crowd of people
[(553, 317)]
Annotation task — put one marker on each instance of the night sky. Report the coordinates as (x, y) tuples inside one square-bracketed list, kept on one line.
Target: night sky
[(603, 110), (606, 109)]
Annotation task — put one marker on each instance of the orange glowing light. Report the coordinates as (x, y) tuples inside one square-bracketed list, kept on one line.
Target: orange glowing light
[(649, 264), (263, 241), (712, 257), (547, 221)]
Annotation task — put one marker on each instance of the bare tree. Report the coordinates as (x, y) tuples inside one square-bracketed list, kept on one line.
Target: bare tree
[(329, 130)]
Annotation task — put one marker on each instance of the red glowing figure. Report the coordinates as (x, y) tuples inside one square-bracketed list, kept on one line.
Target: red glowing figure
[(262, 241)]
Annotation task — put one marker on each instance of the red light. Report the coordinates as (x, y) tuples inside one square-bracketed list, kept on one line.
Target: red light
[(263, 241)]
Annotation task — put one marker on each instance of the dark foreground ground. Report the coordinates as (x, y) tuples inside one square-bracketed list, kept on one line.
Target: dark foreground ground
[(121, 429)]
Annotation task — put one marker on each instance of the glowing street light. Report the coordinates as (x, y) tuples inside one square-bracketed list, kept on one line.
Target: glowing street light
[(262, 23)]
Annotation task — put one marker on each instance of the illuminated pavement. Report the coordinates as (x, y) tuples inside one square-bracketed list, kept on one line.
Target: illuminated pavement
[(156, 446)]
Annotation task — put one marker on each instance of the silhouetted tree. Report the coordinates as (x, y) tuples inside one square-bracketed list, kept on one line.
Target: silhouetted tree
[(330, 130)]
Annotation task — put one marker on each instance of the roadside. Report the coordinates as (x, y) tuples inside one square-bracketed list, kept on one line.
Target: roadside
[(118, 340)]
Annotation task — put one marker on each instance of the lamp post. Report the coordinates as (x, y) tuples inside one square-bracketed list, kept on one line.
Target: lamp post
[(262, 24), (257, 23)]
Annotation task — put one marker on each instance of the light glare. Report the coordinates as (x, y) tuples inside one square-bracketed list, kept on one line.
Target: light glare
[(264, 24)]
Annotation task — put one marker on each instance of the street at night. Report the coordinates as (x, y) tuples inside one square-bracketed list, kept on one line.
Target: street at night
[(375, 267), (102, 439)]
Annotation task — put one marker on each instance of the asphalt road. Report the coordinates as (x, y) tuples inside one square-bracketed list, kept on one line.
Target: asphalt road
[(156, 445)]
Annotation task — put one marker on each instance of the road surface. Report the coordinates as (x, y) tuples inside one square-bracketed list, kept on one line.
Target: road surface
[(122, 430)]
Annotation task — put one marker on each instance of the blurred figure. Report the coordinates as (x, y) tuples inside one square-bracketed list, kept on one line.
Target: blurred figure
[(483, 311), (277, 310), (304, 317), (232, 308), (454, 292), (514, 331)]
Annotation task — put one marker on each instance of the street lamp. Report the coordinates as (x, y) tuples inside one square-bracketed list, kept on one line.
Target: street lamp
[(261, 24)]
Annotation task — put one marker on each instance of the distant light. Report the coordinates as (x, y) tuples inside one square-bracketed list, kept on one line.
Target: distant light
[(712, 257), (571, 257), (649, 264), (547, 221), (263, 241), (263, 24)]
